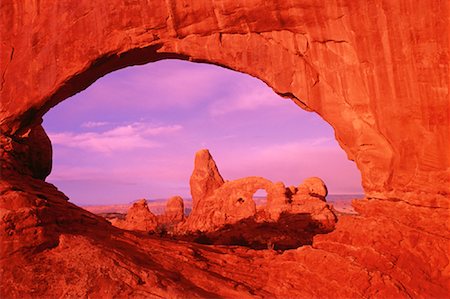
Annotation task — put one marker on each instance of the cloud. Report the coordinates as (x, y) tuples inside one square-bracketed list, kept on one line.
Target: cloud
[(292, 149), (253, 99), (142, 129), (121, 138), (94, 124), (162, 130), (74, 173), (159, 85)]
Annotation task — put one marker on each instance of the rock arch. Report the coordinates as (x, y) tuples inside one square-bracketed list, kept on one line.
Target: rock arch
[(377, 72), (331, 72), (231, 202), (244, 188)]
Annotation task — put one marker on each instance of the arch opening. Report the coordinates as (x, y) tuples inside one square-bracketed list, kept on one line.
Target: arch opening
[(260, 198), (226, 118), (110, 136)]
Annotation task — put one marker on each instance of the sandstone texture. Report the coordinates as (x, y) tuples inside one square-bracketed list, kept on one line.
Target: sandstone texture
[(376, 71)]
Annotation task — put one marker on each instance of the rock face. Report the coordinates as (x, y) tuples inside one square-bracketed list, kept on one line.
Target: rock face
[(205, 178), (316, 208), (138, 217), (174, 212), (377, 72), (31, 154)]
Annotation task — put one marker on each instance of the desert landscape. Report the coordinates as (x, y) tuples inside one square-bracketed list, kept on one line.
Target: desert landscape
[(377, 72)]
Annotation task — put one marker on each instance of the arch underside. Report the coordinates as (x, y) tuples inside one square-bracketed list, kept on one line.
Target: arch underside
[(378, 76)]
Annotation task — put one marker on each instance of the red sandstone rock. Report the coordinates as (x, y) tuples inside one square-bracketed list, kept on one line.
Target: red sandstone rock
[(108, 262), (174, 212), (29, 154), (228, 204), (205, 178), (376, 71), (233, 202), (318, 210), (277, 201), (310, 198), (314, 187), (138, 217)]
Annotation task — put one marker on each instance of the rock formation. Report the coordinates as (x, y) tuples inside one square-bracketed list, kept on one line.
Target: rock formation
[(310, 197), (314, 187), (205, 178), (377, 72), (138, 217), (174, 210), (233, 200)]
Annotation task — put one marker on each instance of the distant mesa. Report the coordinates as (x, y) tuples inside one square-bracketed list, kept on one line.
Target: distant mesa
[(226, 213)]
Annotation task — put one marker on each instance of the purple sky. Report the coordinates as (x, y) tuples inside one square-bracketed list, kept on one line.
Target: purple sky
[(134, 132)]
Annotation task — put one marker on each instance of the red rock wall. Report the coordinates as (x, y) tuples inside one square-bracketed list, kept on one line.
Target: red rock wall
[(377, 72)]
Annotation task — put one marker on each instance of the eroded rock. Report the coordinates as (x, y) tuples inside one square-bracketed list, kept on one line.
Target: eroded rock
[(313, 186), (233, 201), (174, 211), (205, 178), (138, 217)]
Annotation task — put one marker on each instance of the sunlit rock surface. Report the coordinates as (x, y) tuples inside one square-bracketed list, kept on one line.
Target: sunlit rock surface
[(376, 71), (205, 178), (139, 217)]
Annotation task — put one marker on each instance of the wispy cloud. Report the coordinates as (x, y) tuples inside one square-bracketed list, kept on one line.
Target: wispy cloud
[(293, 149), (252, 99), (177, 84), (94, 124), (121, 138)]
